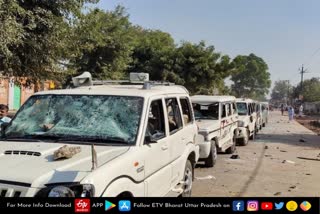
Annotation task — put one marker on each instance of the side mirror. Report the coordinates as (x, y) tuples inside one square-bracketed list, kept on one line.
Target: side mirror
[(3, 127), (150, 139)]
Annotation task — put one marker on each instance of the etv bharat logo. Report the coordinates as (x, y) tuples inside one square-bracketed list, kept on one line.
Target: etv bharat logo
[(82, 205)]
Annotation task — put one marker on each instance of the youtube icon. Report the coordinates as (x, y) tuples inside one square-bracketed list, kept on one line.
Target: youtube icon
[(266, 206)]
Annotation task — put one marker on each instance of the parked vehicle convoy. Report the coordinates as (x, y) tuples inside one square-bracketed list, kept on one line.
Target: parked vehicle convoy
[(132, 138), (247, 120), (217, 119)]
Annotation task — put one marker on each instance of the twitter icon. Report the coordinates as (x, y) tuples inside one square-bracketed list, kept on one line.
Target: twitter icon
[(278, 206)]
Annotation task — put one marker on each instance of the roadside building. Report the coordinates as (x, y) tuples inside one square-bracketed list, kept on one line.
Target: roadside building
[(14, 95)]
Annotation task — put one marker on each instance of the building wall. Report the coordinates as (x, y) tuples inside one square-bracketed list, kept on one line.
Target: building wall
[(312, 107), (26, 92), (4, 91)]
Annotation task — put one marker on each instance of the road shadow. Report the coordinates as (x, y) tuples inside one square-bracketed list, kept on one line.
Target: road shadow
[(303, 140)]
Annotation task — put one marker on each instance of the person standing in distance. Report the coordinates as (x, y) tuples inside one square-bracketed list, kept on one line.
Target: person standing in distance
[(3, 114)]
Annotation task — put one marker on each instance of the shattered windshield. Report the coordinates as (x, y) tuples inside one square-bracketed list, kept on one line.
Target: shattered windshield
[(242, 108), (79, 117)]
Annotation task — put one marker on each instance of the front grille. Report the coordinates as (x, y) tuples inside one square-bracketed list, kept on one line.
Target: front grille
[(17, 152), (3, 193), (17, 194), (12, 190), (10, 193)]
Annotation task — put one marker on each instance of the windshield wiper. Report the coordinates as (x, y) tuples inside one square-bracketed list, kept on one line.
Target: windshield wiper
[(117, 140), (34, 137)]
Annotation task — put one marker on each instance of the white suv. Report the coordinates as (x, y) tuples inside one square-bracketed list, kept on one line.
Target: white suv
[(247, 120), (131, 140), (217, 119)]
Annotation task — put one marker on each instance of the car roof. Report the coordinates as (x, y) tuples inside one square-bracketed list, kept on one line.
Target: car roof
[(120, 90), (208, 98), (245, 100)]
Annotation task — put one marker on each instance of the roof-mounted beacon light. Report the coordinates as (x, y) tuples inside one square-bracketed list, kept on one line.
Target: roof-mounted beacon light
[(85, 79), (139, 77)]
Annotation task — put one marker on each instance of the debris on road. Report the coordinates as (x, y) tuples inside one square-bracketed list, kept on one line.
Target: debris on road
[(314, 159), (277, 193), (266, 147), (283, 151), (302, 140), (208, 177), (288, 161), (235, 157)]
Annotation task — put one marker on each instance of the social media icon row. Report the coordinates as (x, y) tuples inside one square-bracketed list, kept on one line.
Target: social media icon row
[(254, 205)]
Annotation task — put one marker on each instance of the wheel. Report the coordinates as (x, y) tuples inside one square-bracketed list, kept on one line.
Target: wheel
[(187, 180), (245, 139), (252, 137), (210, 161), (232, 148)]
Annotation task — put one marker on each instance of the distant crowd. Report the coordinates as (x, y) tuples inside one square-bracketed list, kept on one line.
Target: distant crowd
[(291, 111)]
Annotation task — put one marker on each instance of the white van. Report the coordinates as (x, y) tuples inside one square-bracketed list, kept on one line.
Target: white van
[(124, 140), (247, 120), (217, 119)]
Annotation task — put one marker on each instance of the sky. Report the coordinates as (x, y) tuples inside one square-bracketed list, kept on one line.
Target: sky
[(284, 33)]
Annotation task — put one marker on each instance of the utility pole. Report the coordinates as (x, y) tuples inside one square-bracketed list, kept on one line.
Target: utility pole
[(288, 93), (302, 71)]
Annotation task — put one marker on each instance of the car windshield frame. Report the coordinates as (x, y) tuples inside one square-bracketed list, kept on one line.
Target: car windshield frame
[(241, 113), (200, 111), (106, 118)]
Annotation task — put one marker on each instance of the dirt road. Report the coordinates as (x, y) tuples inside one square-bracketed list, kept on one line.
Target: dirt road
[(268, 166)]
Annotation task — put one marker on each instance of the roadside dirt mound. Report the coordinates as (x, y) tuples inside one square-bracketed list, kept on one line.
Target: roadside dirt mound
[(310, 122)]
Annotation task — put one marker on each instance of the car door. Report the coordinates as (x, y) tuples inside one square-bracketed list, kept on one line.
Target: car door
[(156, 150), (223, 125), (177, 137)]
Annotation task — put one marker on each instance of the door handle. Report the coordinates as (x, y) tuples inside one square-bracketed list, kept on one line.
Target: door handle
[(164, 147)]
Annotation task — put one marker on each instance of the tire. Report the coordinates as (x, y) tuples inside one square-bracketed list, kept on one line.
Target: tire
[(187, 179), (232, 148), (246, 139), (211, 160), (252, 137)]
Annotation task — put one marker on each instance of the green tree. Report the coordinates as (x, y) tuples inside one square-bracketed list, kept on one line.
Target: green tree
[(153, 53), (251, 78), (32, 34), (201, 69), (311, 90), (103, 43), (281, 90)]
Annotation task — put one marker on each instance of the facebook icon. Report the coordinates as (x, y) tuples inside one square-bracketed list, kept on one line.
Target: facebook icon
[(238, 205)]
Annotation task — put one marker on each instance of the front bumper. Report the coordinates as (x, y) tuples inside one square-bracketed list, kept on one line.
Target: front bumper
[(241, 133), (205, 148)]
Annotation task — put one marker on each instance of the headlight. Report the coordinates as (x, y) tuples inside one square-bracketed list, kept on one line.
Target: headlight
[(240, 123), (68, 190), (61, 191)]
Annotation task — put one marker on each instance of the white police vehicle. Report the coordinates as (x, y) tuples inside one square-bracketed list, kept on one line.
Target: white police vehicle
[(125, 138)]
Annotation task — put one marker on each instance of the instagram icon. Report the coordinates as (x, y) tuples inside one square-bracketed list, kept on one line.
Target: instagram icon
[(252, 205)]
